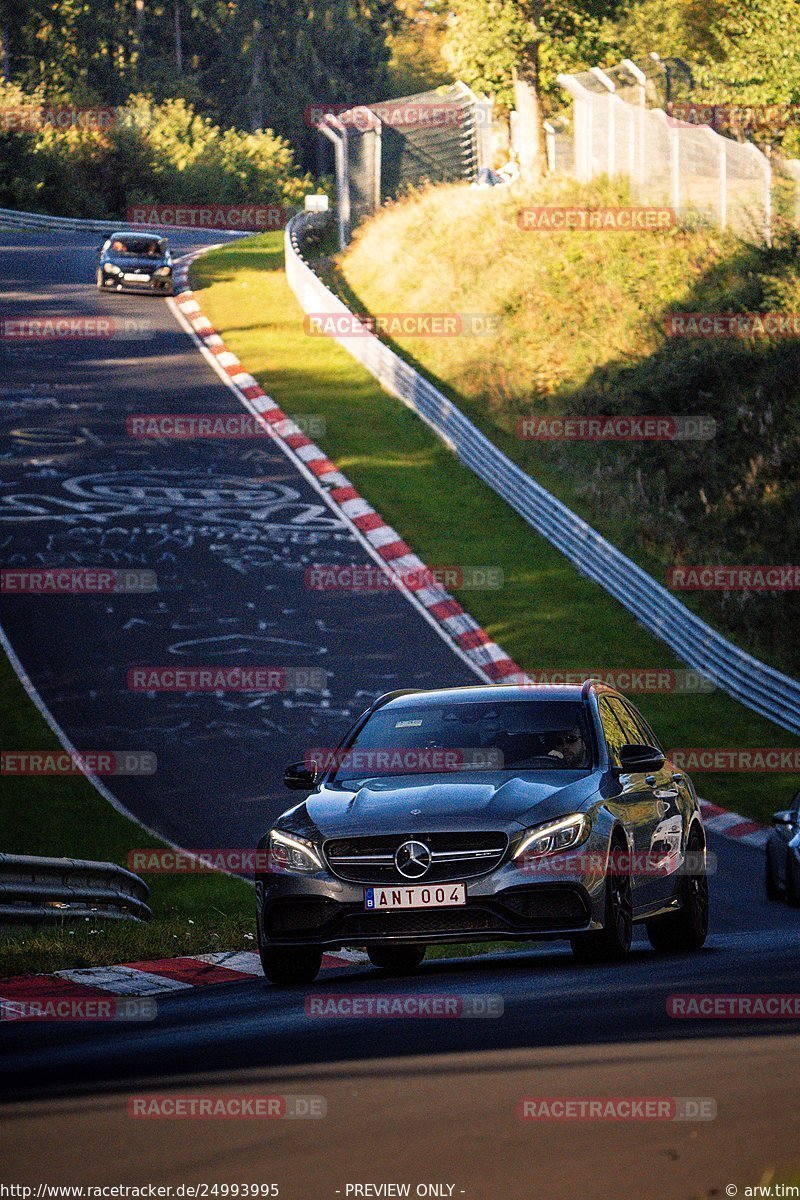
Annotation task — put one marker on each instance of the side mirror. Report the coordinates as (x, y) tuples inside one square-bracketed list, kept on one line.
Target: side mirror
[(636, 759), (299, 777), (784, 817)]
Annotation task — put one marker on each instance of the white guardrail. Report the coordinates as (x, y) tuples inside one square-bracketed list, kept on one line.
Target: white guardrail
[(755, 684), (26, 220), (12, 219)]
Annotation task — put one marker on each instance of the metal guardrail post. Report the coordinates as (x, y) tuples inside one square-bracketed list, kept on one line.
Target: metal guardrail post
[(333, 129)]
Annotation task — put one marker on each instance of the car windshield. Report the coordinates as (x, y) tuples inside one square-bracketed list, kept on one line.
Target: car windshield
[(138, 247), (467, 736)]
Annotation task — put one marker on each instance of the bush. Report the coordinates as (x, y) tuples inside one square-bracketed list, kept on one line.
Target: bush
[(152, 153)]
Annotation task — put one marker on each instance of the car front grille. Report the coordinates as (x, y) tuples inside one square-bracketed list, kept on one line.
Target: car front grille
[(453, 855)]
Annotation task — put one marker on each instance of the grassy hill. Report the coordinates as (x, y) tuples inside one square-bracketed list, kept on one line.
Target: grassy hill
[(580, 320)]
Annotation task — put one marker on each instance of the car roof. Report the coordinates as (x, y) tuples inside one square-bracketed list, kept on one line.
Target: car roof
[(499, 692)]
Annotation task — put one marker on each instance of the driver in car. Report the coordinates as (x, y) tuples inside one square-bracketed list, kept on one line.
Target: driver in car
[(570, 749)]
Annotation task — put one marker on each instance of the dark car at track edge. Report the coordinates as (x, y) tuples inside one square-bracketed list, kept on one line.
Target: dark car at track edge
[(783, 855), (133, 261)]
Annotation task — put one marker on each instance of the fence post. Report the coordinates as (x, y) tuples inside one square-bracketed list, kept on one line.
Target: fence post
[(641, 80), (550, 141), (612, 118), (336, 132), (582, 126), (377, 165), (675, 163)]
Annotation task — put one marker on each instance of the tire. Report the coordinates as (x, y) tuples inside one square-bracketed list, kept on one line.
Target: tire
[(792, 881), (613, 942), (774, 892), (396, 960), (291, 965), (686, 930)]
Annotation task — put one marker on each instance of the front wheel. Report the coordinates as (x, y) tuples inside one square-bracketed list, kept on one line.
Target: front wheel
[(686, 929), (613, 942), (291, 965), (396, 960)]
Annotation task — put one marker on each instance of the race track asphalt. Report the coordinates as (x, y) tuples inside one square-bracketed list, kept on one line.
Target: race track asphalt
[(229, 529)]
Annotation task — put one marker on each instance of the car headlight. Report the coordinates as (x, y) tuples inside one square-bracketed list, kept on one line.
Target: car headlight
[(553, 836), (163, 271), (288, 852), (112, 268)]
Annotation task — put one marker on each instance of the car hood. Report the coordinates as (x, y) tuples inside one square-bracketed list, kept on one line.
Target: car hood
[(414, 804)]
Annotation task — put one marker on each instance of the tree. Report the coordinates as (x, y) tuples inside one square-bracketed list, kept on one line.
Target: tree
[(515, 49)]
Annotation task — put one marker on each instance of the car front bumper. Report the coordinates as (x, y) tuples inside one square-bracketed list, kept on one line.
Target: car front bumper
[(508, 903), (161, 285)]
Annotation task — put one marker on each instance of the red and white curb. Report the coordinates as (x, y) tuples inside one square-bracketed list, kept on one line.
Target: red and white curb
[(150, 977), (732, 825), (464, 634)]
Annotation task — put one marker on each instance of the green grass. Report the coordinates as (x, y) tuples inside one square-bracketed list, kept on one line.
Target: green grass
[(581, 331), (66, 817), (546, 615)]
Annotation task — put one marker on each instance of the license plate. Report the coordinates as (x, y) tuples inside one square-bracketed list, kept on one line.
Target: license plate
[(435, 895), (136, 278)]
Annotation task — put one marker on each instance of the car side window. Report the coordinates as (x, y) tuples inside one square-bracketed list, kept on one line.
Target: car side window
[(612, 731), (633, 734), (646, 735)]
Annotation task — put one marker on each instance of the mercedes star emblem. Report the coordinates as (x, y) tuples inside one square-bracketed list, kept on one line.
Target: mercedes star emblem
[(412, 859)]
